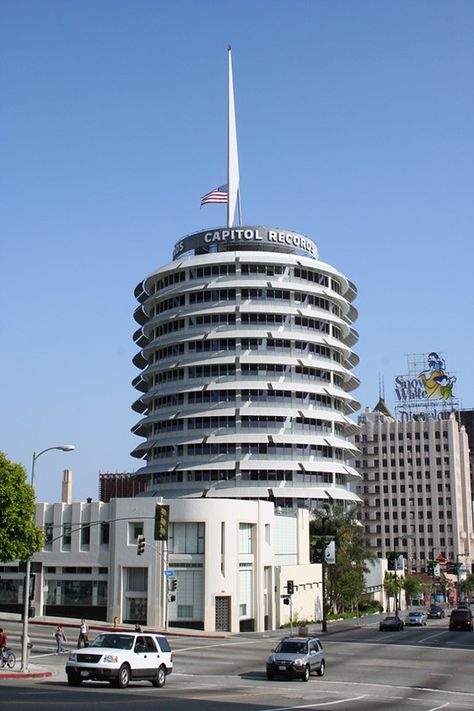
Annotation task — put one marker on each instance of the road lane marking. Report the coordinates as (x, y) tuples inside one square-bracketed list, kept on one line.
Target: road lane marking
[(430, 636), (399, 686), (314, 705), (209, 646), (436, 708)]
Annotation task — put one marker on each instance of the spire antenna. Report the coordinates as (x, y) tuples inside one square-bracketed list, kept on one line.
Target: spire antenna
[(233, 178)]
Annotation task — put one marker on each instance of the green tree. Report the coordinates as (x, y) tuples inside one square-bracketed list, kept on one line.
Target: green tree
[(412, 586), (345, 581), (392, 585), (467, 585), (20, 537)]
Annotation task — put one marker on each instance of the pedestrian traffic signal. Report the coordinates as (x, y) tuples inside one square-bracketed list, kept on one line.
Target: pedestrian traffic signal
[(290, 587), (162, 514), (140, 544), (286, 600)]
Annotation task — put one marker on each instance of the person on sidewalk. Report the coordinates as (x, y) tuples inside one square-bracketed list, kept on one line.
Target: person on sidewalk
[(60, 637), (83, 640)]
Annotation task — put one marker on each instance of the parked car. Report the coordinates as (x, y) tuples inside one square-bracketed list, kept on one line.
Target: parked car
[(417, 618), (390, 623), (297, 656), (119, 657), (461, 619), (435, 612)]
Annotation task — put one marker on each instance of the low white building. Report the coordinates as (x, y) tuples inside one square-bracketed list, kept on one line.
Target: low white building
[(230, 564)]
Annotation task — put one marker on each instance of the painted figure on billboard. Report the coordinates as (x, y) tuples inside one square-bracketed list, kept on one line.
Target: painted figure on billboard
[(438, 385)]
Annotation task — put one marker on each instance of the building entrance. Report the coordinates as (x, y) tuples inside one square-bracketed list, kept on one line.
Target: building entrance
[(223, 613)]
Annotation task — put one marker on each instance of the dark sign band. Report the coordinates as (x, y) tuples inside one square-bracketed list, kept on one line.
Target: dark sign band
[(230, 238)]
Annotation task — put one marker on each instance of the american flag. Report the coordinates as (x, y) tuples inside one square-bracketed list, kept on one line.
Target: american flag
[(218, 195)]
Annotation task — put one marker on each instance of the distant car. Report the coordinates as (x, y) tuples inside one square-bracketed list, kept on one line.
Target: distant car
[(464, 605), (461, 619), (435, 612), (121, 657), (297, 656), (392, 622), (417, 618)]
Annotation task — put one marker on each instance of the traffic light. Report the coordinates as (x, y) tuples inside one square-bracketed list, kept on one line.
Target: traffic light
[(140, 544), (162, 514), (290, 587), (174, 584), (392, 559), (319, 549), (286, 600), (32, 587)]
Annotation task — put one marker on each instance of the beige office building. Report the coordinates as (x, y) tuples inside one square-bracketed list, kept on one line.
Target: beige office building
[(416, 487)]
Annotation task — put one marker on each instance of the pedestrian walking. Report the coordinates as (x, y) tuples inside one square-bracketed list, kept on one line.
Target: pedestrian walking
[(60, 637), (83, 640)]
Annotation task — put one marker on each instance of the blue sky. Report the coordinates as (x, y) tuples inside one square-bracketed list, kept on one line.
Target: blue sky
[(355, 125)]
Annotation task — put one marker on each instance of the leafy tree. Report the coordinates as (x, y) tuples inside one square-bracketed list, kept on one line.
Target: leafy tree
[(20, 537), (467, 585), (345, 581), (412, 586)]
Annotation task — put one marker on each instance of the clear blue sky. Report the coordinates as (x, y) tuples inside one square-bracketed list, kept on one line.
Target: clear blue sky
[(355, 124)]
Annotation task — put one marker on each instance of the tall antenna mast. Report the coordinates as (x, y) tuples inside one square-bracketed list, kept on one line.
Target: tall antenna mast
[(233, 178)]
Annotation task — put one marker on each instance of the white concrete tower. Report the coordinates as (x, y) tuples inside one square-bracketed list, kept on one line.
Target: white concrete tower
[(245, 356)]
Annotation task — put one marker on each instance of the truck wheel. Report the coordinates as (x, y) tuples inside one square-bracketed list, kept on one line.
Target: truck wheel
[(74, 680), (123, 678), (160, 677)]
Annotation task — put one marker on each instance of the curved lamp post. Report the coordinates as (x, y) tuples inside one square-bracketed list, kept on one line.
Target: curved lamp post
[(26, 589)]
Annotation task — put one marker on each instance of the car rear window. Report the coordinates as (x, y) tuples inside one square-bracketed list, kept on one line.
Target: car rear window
[(460, 613), (163, 644)]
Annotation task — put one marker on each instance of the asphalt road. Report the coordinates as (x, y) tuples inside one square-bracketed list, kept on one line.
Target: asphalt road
[(420, 669)]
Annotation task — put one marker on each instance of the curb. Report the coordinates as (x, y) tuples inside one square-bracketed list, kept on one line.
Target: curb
[(26, 675)]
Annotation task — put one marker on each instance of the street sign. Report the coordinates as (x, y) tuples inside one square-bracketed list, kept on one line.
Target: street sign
[(169, 573)]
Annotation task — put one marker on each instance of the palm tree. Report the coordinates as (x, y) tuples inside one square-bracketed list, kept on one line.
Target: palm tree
[(345, 581)]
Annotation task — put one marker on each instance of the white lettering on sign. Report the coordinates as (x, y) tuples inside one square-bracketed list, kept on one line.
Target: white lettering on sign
[(293, 240), (231, 235)]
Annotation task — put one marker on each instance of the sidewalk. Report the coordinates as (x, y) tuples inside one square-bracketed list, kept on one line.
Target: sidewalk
[(99, 626)]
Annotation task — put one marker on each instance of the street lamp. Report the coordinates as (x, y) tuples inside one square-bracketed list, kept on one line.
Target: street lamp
[(458, 574), (26, 589)]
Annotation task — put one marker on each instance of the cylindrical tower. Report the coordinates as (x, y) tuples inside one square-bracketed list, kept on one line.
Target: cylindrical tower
[(246, 357)]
